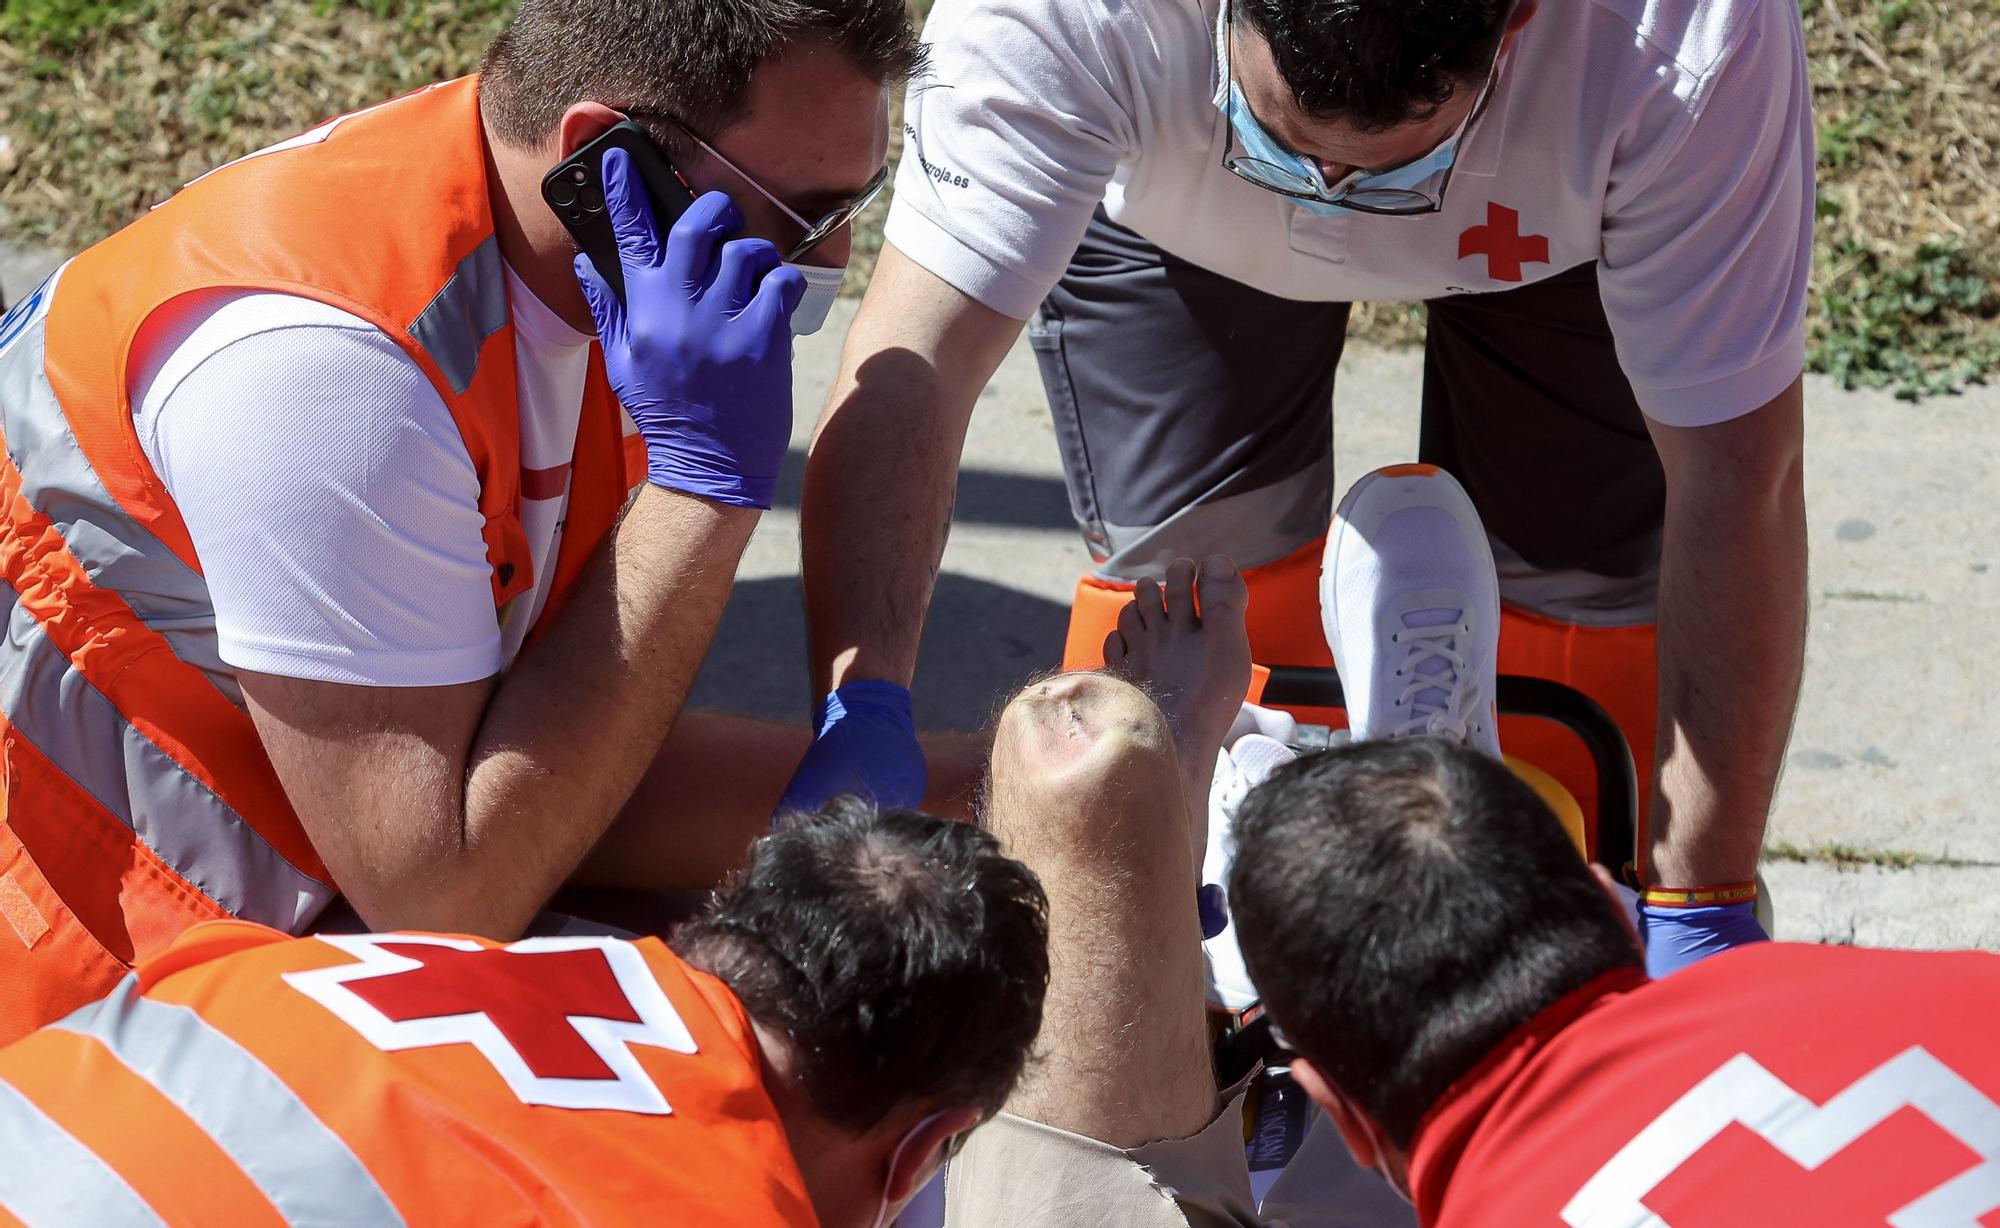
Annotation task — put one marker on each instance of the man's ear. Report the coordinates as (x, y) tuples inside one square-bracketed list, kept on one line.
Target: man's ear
[(583, 123), (1622, 902), (1522, 14), (911, 1165), (1356, 1130)]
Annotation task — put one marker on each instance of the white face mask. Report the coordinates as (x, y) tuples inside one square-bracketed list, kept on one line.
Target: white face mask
[(822, 287), (882, 1217)]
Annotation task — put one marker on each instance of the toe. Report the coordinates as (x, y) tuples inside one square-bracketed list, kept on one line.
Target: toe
[(1130, 630), (1147, 604), (1180, 589), (1222, 589), (1115, 647)]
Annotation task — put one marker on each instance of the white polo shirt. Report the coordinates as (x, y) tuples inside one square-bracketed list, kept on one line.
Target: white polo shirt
[(1671, 141)]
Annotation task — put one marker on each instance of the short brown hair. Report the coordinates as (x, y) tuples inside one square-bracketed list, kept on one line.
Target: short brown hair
[(905, 956), (691, 57)]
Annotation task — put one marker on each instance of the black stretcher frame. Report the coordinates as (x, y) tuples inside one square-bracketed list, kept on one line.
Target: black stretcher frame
[(1518, 695)]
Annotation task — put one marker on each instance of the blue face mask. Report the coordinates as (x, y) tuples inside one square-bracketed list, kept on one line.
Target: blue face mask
[(1264, 147)]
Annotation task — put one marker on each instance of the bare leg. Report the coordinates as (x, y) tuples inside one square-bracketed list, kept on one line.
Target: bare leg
[(1090, 787), (711, 791)]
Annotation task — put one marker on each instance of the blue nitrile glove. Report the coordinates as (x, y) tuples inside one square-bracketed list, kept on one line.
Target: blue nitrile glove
[(865, 743), (700, 351), (1677, 937), (1211, 903)]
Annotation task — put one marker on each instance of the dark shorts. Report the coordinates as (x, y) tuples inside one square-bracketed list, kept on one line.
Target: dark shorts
[(1195, 416)]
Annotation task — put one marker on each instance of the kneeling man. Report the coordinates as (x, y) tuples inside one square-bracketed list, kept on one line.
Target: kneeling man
[(1473, 1011), (807, 1053)]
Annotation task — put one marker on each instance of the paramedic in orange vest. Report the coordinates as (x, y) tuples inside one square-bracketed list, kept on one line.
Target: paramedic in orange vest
[(331, 563), (756, 1074), (1472, 1011)]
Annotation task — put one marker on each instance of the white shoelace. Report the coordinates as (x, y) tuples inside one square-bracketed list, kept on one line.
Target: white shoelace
[(1460, 691), (1242, 767)]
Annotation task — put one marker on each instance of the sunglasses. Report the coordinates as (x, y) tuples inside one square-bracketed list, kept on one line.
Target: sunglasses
[(816, 232)]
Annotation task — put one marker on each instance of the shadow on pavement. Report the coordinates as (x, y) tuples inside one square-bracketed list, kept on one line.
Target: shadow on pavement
[(985, 497), (982, 641)]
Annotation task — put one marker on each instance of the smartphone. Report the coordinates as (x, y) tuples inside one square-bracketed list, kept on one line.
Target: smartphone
[(574, 191)]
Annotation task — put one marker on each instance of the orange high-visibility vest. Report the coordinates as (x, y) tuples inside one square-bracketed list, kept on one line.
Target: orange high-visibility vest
[(249, 1079), (138, 798)]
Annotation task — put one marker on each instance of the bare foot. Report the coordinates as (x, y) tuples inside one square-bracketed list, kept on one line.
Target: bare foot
[(1197, 668)]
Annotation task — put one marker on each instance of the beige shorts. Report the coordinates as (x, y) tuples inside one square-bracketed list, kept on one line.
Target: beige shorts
[(1016, 1173), (1023, 1174)]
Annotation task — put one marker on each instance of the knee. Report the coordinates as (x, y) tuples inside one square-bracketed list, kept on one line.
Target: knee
[(1088, 724), (1074, 755)]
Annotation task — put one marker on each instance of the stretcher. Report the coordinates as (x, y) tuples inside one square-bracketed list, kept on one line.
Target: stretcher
[(1609, 836)]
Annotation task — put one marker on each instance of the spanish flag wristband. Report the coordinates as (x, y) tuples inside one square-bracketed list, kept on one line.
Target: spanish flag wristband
[(1699, 897)]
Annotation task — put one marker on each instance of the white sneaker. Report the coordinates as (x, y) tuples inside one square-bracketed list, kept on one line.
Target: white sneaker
[(1248, 761), (1411, 608)]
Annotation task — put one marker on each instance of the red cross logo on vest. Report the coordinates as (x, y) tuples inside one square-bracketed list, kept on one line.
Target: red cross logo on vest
[(1500, 240), (556, 1017), (1910, 1122)]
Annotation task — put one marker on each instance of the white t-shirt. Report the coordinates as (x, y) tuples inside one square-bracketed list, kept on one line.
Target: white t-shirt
[(1669, 140), (329, 495)]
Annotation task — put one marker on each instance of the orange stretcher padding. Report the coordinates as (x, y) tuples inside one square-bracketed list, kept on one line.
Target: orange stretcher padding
[(1613, 665)]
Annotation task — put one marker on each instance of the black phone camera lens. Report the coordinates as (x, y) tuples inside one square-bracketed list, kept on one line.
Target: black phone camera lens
[(591, 199), (561, 195)]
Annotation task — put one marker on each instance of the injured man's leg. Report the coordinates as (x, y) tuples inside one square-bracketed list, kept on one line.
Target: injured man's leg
[(1099, 783)]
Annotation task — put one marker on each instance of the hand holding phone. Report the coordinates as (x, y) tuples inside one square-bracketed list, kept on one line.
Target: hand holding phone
[(574, 191), (699, 346)]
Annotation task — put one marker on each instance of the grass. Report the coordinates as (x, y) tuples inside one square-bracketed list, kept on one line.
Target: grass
[(111, 104), (1848, 857), (1907, 276), (1871, 595)]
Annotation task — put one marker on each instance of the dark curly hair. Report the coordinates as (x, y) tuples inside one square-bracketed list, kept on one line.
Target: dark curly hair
[(905, 956)]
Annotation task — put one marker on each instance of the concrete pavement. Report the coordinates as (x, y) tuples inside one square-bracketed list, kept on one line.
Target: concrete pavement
[(1887, 827)]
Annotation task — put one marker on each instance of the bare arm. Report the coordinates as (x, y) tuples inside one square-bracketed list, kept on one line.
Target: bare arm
[(464, 807), (710, 792), (884, 469), (1732, 637)]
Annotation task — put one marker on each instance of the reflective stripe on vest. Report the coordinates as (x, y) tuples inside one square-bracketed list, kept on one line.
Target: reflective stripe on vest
[(48, 701), (310, 1175), (138, 792), (49, 1178), (472, 306), (167, 594), (52, 705)]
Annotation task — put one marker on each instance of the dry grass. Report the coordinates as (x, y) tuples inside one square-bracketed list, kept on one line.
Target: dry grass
[(110, 115), (1908, 96), (1908, 274), (111, 104)]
